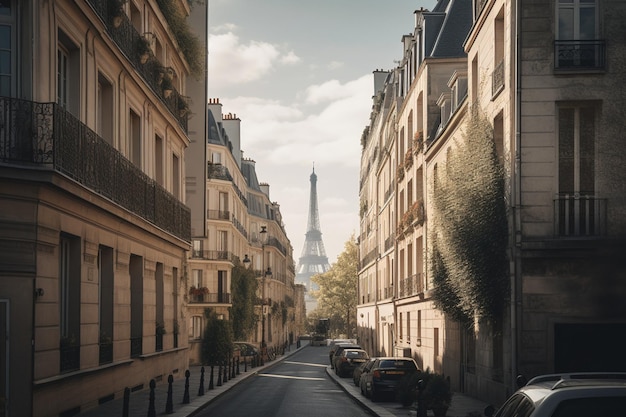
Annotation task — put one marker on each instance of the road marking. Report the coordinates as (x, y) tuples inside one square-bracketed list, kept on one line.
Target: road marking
[(304, 363), (293, 377)]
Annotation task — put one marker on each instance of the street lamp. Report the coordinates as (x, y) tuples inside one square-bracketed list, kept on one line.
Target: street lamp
[(266, 273)]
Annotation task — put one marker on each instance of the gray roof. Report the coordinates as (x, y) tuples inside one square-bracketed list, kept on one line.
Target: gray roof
[(446, 28)]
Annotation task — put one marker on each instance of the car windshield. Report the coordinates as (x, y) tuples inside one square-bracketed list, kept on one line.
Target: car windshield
[(356, 354), (397, 364)]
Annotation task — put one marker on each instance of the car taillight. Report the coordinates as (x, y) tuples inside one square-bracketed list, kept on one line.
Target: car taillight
[(376, 374), (344, 359)]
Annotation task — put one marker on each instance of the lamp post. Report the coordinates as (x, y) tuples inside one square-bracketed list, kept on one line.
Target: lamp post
[(263, 232)]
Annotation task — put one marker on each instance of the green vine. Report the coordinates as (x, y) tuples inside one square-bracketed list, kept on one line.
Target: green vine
[(189, 43), (469, 262)]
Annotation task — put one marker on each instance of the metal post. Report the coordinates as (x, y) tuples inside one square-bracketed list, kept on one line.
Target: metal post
[(201, 388), (169, 405), (186, 394), (126, 402), (151, 409)]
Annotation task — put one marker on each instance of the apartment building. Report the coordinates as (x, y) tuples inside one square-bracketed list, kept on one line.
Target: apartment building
[(95, 231), (547, 77), (242, 227)]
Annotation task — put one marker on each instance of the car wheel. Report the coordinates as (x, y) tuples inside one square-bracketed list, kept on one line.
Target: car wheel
[(374, 395)]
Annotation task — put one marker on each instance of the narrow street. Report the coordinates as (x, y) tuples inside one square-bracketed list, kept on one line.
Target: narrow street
[(298, 386)]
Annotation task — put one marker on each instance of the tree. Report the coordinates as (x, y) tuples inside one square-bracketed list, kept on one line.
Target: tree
[(217, 342), (243, 287), (337, 294)]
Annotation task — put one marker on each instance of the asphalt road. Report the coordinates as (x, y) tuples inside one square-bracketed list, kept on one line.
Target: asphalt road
[(298, 386)]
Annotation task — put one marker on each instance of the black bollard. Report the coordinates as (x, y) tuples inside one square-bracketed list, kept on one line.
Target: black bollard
[(201, 388), (238, 366), (126, 402), (245, 364), (169, 405), (219, 375), (225, 376), (186, 395), (211, 379), (151, 409), (232, 369), (421, 406)]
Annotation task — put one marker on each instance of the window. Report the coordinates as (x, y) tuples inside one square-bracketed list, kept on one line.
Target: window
[(136, 305), (408, 326), (197, 278), (106, 269), (197, 248), (69, 301), (176, 176), (222, 243), (104, 116), (158, 160), (195, 327), (6, 49), (134, 134), (578, 209), (577, 44), (68, 75)]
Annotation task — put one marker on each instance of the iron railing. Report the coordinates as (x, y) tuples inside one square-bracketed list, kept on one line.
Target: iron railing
[(34, 133), (410, 286), (136, 346), (579, 55), (579, 215), (124, 34), (210, 298), (213, 255)]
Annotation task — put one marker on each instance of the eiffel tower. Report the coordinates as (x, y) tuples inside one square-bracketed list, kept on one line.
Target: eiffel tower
[(313, 259)]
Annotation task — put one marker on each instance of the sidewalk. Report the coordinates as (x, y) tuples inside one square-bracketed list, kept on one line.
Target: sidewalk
[(140, 400), (462, 405)]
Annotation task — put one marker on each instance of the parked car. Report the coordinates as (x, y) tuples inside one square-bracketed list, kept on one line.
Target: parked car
[(567, 395), (332, 343), (348, 360), (337, 348), (318, 340), (386, 375), (245, 350), (364, 367)]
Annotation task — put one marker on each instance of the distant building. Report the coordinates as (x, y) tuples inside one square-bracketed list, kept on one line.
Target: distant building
[(241, 225), (313, 259)]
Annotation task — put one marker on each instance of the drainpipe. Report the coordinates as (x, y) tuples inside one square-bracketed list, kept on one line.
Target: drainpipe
[(517, 199)]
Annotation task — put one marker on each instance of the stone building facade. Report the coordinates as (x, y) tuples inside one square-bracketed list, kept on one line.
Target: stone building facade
[(548, 77)]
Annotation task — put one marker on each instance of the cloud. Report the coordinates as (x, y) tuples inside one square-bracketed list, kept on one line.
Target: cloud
[(232, 62)]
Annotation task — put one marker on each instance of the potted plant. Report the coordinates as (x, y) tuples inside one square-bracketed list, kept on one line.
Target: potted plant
[(437, 394), (142, 49), (166, 85), (116, 11)]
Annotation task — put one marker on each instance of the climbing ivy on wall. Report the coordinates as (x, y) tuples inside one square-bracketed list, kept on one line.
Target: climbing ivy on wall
[(468, 259)]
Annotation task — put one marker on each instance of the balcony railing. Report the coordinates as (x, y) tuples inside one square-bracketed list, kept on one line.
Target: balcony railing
[(410, 286), (136, 346), (218, 215), (213, 255), (579, 55), (579, 216), (46, 134), (124, 34), (70, 357), (105, 352), (210, 298)]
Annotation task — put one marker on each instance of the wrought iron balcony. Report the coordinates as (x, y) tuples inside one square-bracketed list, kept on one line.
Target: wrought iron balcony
[(579, 55), (213, 255), (45, 134), (130, 42), (210, 298), (579, 216), (412, 285)]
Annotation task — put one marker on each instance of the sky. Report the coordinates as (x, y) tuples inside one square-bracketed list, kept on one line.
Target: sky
[(298, 74)]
